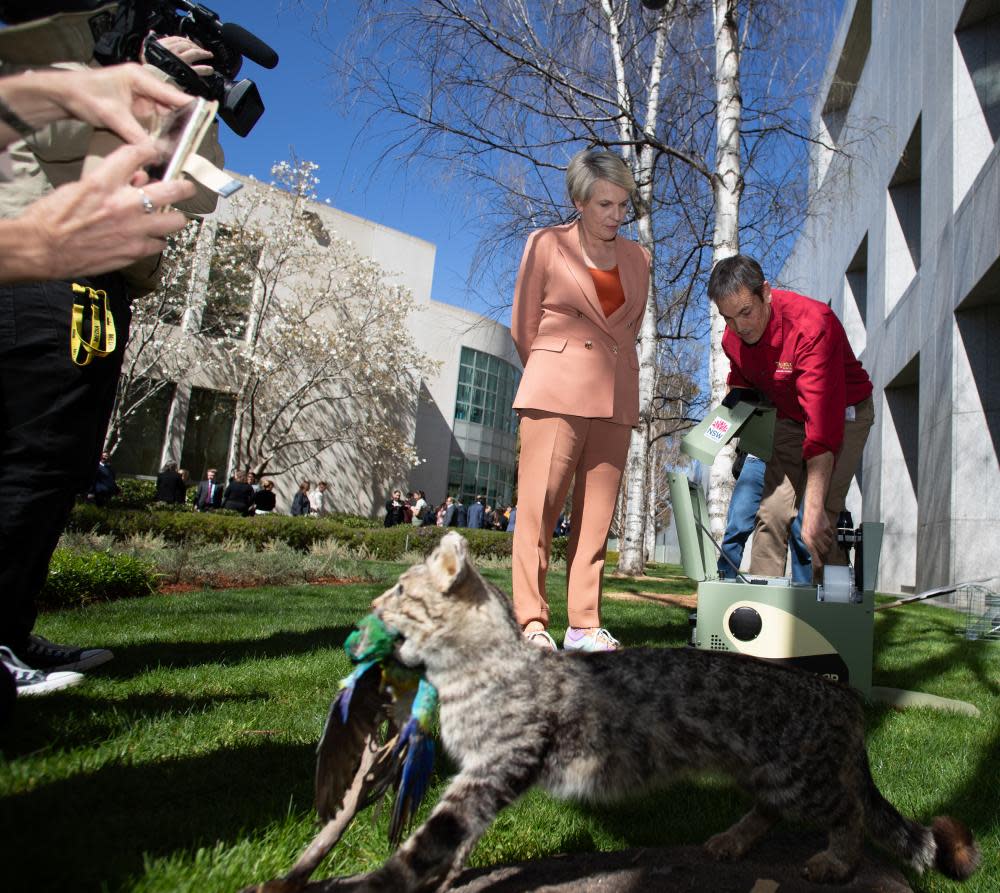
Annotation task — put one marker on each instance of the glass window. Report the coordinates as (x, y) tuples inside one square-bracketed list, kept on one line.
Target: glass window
[(230, 283), (141, 444), (207, 432), (175, 284)]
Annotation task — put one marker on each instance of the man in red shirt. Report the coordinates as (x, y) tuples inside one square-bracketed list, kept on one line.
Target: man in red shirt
[(794, 351)]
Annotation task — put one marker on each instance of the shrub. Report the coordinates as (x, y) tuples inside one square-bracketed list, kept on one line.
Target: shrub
[(135, 494), (386, 543), (76, 578), (356, 521)]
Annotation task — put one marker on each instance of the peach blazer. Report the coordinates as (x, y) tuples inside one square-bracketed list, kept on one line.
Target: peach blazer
[(577, 361)]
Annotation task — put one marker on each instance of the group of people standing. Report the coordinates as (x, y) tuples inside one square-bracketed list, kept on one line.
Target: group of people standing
[(243, 492), (416, 510)]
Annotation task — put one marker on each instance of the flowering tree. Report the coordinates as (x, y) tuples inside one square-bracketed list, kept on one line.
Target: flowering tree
[(157, 355), (310, 335)]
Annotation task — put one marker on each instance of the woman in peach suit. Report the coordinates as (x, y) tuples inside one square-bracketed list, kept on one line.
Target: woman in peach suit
[(578, 304)]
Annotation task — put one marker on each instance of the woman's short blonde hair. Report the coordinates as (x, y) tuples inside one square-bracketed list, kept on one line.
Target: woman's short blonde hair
[(596, 164)]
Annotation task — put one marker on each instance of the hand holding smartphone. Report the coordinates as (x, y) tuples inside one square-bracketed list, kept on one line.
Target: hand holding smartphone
[(177, 135)]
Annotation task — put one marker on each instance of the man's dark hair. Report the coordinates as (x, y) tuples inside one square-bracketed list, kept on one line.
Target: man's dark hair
[(734, 273)]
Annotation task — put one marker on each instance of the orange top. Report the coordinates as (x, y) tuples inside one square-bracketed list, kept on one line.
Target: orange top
[(609, 289)]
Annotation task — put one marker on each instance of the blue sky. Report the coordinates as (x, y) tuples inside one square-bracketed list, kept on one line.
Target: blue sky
[(302, 114)]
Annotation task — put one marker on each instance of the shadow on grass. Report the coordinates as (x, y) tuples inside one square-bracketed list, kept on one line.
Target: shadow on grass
[(922, 634), (131, 660), (684, 812), (67, 721), (977, 801), (94, 831)]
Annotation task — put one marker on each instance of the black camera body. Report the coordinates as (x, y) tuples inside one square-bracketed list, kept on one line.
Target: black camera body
[(240, 103)]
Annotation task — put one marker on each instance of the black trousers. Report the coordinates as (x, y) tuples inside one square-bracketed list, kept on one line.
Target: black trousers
[(53, 419)]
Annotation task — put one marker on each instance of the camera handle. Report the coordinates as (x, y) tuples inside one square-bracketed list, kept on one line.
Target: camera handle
[(185, 76)]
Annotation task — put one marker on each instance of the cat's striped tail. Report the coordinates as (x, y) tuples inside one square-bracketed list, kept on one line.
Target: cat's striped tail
[(947, 845)]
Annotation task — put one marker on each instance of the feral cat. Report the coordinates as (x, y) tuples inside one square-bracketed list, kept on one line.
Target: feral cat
[(603, 725)]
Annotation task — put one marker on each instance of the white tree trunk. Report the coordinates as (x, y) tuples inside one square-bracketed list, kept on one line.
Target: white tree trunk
[(632, 543), (728, 186)]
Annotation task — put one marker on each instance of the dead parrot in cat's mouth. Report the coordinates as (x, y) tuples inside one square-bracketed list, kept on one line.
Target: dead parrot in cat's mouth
[(356, 762)]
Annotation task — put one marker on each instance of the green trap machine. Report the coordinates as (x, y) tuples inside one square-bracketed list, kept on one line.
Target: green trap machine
[(825, 628)]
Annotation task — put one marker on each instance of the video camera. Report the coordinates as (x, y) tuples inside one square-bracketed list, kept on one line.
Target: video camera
[(240, 103)]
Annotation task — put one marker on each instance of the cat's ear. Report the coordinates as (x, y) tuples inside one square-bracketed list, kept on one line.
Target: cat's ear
[(448, 563)]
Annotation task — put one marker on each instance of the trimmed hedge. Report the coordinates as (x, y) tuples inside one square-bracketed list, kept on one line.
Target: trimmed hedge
[(135, 494), (76, 578), (387, 543)]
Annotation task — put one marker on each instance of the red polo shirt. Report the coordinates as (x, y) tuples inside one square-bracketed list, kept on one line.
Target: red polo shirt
[(803, 363)]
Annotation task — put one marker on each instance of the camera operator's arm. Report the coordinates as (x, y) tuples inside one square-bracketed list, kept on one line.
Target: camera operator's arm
[(112, 98), (99, 223)]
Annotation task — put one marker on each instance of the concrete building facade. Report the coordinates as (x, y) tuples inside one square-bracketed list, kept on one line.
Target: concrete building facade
[(904, 238), (459, 421)]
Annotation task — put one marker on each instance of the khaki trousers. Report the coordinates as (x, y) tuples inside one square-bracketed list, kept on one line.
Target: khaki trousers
[(554, 450), (784, 483)]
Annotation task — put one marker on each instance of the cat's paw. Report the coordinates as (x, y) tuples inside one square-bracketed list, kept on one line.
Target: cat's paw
[(726, 846), (825, 868)]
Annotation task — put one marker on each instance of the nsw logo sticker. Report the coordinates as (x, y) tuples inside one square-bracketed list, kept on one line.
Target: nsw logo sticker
[(718, 430)]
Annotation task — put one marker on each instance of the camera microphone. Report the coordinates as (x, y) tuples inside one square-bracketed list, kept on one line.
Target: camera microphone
[(249, 45)]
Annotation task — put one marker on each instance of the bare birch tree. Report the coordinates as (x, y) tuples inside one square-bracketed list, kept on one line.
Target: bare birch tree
[(728, 188)]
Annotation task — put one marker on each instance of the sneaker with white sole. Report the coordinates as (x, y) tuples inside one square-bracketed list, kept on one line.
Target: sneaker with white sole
[(583, 640), (30, 681), (41, 654)]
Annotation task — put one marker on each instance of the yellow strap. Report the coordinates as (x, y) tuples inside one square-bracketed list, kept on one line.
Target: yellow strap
[(102, 327)]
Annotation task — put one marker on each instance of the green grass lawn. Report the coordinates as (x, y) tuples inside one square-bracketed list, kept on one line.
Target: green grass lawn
[(187, 762)]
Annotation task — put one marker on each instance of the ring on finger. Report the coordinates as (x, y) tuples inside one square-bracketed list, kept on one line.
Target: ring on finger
[(147, 202)]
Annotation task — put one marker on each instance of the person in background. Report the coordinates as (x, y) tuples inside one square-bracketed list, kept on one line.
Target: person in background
[(476, 513), (419, 507), (264, 500), (394, 513), (301, 506), (459, 515), (252, 480), (170, 485), (209, 493), (238, 495), (441, 516), (319, 500), (105, 485), (579, 299)]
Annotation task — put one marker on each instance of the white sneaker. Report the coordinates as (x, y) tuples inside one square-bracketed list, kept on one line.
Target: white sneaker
[(599, 640), (36, 682)]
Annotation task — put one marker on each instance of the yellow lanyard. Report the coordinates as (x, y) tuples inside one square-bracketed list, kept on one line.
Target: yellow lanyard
[(102, 327)]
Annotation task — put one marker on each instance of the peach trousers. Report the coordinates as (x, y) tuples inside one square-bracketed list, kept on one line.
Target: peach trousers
[(555, 449)]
